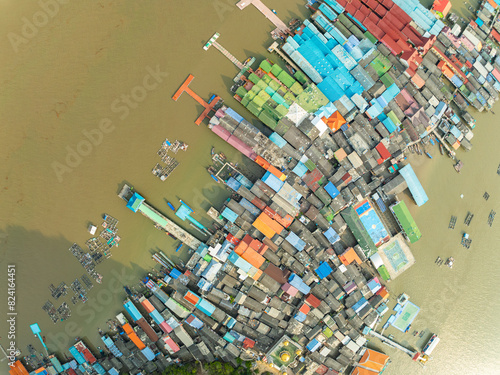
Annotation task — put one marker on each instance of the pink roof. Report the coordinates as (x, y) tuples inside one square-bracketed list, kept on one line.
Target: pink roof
[(165, 327), (291, 290), (171, 344)]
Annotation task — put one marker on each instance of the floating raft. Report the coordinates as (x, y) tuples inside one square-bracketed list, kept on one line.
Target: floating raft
[(491, 217), (466, 242), (468, 218), (486, 196), (452, 223), (498, 170)]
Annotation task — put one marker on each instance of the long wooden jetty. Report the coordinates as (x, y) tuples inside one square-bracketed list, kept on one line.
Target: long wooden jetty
[(268, 13), (161, 220)]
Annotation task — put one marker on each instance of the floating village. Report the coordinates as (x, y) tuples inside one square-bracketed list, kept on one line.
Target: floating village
[(295, 271)]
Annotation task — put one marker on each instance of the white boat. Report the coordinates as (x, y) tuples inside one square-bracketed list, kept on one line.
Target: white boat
[(431, 345), (92, 229)]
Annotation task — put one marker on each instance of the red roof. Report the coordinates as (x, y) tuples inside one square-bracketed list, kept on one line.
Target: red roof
[(382, 150), (248, 343), (440, 5), (495, 35), (313, 301), (304, 309)]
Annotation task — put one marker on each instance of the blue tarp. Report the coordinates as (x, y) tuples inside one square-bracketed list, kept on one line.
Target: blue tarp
[(331, 190), (323, 270)]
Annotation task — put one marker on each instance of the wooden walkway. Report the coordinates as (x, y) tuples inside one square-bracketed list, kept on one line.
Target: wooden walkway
[(280, 25), (208, 107)]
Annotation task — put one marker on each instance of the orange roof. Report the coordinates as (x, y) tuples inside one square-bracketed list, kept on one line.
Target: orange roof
[(373, 360), (273, 224), (127, 328), (253, 257), (241, 247), (285, 221), (383, 293), (256, 245), (263, 249), (275, 171), (340, 154), (456, 145), (493, 4), (363, 371), (18, 369), (418, 81), (335, 121), (147, 305), (305, 309), (257, 275), (263, 228), (349, 256), (262, 162), (192, 298)]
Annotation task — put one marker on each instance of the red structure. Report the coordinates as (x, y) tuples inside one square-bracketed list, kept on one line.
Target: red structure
[(208, 106), (388, 23)]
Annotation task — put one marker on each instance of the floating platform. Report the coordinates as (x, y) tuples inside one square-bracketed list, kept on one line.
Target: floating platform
[(491, 217), (466, 241), (468, 218), (452, 223), (458, 166), (486, 196)]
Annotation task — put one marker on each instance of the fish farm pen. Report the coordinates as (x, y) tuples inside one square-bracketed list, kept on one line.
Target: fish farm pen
[(452, 223), (491, 217), (468, 218)]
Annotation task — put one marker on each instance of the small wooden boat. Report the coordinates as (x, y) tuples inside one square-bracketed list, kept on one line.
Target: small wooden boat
[(441, 149)]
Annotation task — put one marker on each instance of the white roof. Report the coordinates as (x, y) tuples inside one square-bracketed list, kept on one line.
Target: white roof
[(296, 113)]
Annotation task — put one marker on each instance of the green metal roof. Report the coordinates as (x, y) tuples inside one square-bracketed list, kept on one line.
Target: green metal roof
[(360, 233), (406, 221), (387, 80), (382, 270)]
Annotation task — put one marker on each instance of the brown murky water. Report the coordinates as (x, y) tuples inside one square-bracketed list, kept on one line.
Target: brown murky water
[(86, 103)]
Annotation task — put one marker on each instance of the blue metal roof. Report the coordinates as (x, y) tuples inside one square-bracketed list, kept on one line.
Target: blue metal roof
[(416, 189), (323, 270), (229, 214), (331, 190), (331, 235), (277, 140), (300, 169)]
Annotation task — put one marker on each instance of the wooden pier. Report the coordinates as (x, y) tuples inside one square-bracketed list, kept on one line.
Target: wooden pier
[(268, 13), (452, 223), (208, 107)]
